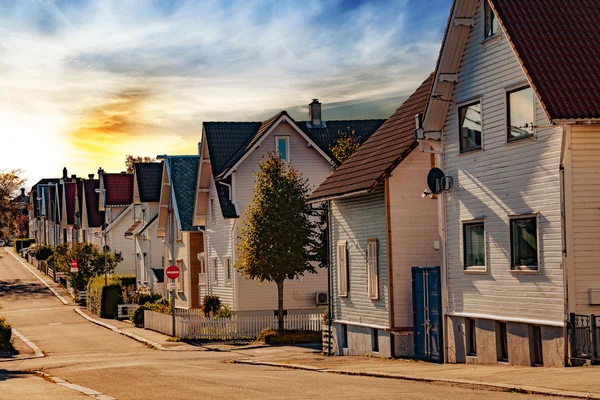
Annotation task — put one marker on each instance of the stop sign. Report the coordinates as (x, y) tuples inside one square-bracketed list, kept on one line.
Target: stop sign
[(172, 272)]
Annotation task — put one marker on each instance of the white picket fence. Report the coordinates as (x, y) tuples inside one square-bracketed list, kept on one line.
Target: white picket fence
[(191, 324)]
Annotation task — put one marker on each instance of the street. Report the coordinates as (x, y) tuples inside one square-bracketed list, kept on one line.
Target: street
[(85, 354)]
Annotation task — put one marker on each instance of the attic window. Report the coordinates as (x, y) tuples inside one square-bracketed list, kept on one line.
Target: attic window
[(470, 127), (491, 22), (520, 109), (282, 144)]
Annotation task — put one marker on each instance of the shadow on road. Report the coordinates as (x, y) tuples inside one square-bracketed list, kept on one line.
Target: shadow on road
[(6, 374), (18, 287)]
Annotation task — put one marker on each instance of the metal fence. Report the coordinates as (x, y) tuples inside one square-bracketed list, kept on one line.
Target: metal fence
[(192, 324), (584, 336)]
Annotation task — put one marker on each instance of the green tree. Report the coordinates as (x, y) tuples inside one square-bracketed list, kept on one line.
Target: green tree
[(130, 161), (277, 241), (345, 145), (10, 214)]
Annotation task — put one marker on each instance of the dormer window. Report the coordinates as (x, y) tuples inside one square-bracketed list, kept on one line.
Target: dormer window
[(282, 144), (491, 22)]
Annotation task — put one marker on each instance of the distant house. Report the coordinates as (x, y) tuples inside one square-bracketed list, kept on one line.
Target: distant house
[(514, 110), (92, 218), (230, 155), (183, 240), (71, 188), (147, 180), (44, 215), (116, 201), (380, 227)]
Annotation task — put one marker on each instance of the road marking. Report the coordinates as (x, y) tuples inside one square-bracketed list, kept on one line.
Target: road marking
[(37, 350), (55, 323), (62, 299), (82, 389), (31, 309)]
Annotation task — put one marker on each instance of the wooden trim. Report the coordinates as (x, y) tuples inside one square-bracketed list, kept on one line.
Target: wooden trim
[(570, 256), (389, 254)]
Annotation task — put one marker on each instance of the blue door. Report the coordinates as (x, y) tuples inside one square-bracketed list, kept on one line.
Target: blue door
[(427, 316)]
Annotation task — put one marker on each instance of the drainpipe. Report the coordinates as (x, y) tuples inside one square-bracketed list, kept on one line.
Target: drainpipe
[(329, 280)]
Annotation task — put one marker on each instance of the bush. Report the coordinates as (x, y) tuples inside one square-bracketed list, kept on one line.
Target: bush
[(41, 251), (224, 312), (211, 303), (103, 300), (273, 337), (5, 336), (127, 280), (151, 297), (130, 295), (161, 305)]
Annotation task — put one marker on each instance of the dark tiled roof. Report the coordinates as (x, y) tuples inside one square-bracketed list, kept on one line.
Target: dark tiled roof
[(46, 181), (92, 202), (228, 142), (70, 195), (184, 175), (149, 181), (381, 153), (119, 189), (558, 43)]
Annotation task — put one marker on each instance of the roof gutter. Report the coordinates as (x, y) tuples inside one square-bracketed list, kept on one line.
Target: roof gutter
[(337, 196)]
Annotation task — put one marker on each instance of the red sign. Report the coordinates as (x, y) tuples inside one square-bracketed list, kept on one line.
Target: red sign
[(172, 272), (74, 266)]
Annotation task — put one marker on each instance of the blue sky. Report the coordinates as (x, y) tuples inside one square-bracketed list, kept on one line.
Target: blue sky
[(90, 81)]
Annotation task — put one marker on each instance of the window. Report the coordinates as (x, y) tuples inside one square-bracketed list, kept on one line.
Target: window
[(228, 270), (213, 214), (491, 22), (502, 341), (282, 144), (536, 346), (375, 340), (524, 243), (471, 334), (372, 269), (214, 271), (344, 336), (470, 127), (520, 110), (342, 268), (474, 245), (180, 279)]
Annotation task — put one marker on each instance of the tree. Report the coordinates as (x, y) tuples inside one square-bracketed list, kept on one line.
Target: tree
[(278, 239), (131, 160), (345, 145), (10, 183), (90, 260)]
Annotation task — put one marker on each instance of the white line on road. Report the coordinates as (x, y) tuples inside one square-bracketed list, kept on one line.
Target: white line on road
[(82, 389), (37, 350), (62, 299)]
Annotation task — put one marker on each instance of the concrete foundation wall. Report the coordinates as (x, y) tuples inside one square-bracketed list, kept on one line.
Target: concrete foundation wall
[(360, 341), (519, 341)]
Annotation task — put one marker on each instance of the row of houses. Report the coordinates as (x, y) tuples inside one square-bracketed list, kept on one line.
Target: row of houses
[(464, 229)]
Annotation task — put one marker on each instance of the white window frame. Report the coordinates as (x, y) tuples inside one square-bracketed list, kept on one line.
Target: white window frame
[(487, 5), (227, 270), (342, 268), (485, 245), (181, 279), (507, 91), (524, 268), (287, 146), (214, 270), (373, 269), (466, 103)]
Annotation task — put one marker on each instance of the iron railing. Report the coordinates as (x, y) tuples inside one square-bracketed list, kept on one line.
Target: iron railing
[(584, 335)]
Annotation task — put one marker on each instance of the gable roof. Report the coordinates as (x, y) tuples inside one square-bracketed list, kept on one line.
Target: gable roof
[(183, 172), (119, 189), (149, 181), (558, 44), (70, 189), (92, 202), (380, 154)]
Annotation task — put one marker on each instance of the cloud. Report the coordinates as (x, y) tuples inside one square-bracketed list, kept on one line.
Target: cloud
[(172, 64)]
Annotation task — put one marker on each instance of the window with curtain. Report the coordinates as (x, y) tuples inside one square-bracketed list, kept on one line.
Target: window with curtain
[(470, 127), (524, 243), (474, 244)]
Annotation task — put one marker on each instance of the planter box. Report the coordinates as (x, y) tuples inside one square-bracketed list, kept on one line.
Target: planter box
[(125, 310)]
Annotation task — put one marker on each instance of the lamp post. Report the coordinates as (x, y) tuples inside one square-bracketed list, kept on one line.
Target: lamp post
[(102, 191)]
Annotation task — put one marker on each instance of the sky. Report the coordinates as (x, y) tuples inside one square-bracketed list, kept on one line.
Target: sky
[(85, 82)]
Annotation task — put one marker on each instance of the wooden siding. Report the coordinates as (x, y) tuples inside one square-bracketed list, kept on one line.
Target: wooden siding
[(500, 180), (117, 241), (355, 220), (582, 187), (414, 228)]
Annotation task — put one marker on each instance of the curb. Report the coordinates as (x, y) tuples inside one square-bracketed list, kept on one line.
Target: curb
[(54, 292), (82, 389), (462, 382), (38, 352)]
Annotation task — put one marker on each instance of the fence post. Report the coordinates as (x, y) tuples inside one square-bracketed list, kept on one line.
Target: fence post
[(594, 336), (573, 335)]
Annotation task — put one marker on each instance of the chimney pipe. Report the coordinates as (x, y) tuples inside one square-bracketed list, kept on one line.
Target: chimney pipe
[(73, 178), (65, 173), (314, 113), (90, 176), (22, 191)]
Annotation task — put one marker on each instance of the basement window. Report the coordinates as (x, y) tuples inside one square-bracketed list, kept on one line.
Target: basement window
[(375, 340), (537, 359), (471, 337), (502, 341)]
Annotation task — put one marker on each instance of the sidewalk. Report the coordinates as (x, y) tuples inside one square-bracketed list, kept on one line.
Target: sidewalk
[(579, 382)]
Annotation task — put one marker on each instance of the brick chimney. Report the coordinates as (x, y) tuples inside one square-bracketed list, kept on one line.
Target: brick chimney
[(90, 176), (65, 174), (314, 113)]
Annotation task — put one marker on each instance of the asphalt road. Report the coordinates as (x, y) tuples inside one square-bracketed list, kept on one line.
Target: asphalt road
[(88, 355)]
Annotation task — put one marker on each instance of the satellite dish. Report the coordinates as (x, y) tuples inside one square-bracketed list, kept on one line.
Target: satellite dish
[(435, 179)]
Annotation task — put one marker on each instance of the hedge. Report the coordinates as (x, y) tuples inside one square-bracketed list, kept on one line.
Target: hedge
[(273, 337), (103, 300), (5, 336), (127, 280)]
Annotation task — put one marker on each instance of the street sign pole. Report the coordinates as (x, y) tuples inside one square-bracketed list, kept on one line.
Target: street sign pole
[(173, 304), (172, 274)]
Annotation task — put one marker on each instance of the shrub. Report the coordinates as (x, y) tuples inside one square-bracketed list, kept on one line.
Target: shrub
[(127, 280), (41, 251), (161, 305), (130, 295), (5, 336), (211, 303), (224, 312), (273, 337), (102, 300), (151, 297)]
